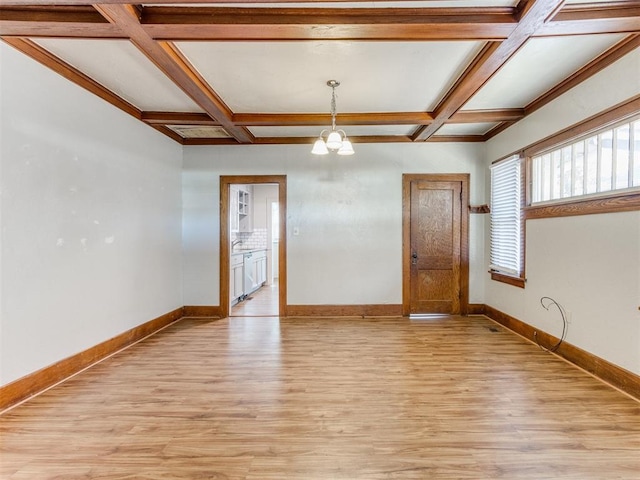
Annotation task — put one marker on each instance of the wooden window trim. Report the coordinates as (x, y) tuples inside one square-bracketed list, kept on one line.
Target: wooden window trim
[(508, 279), (616, 114), (605, 202), (608, 202), (617, 202)]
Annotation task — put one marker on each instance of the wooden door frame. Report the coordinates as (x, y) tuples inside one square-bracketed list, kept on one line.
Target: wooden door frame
[(464, 179), (225, 182)]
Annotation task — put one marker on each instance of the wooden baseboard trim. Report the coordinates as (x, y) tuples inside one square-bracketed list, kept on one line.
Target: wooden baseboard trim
[(381, 310), (36, 382), (612, 374), (203, 311), (476, 309)]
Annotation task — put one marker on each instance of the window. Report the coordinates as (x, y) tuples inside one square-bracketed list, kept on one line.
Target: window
[(597, 164), (506, 223)]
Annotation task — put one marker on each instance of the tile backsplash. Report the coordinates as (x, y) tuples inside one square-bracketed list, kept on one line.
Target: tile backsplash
[(251, 240)]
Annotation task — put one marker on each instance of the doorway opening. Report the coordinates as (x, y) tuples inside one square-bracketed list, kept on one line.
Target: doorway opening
[(253, 247)]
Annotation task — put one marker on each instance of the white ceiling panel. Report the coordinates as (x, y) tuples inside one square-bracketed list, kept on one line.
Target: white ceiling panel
[(123, 69), (279, 77), (351, 130), (466, 128), (536, 68)]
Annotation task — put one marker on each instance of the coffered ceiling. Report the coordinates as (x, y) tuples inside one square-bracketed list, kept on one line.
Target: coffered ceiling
[(255, 72)]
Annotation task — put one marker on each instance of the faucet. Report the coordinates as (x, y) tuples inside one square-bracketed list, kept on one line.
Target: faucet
[(235, 242)]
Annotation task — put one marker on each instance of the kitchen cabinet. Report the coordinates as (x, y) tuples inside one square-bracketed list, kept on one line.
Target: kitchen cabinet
[(243, 200), (245, 208), (234, 218), (236, 280), (255, 270), (261, 267), (240, 218)]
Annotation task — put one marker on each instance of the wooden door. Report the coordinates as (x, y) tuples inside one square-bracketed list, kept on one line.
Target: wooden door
[(437, 254)]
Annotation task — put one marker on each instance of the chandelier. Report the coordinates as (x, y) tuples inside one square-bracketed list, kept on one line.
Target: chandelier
[(336, 139)]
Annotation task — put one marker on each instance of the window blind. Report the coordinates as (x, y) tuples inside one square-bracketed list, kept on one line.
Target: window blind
[(506, 197)]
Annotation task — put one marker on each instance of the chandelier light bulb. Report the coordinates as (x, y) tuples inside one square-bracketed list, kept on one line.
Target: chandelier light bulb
[(319, 148), (346, 148), (334, 140)]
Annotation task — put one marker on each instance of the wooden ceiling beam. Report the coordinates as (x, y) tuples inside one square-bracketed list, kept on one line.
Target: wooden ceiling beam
[(320, 119), (186, 2), (594, 11), (594, 18), (52, 14), (56, 21), (9, 28), (309, 140), (228, 23), (590, 27), (456, 138), (178, 118), (300, 140), (79, 19), (533, 15), (175, 67), (487, 116), (389, 32), (191, 15)]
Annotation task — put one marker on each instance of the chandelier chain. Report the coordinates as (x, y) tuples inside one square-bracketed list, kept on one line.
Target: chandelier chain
[(333, 107)]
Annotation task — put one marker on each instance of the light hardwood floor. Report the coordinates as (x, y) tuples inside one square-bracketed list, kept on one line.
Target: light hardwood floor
[(374, 399), (261, 303)]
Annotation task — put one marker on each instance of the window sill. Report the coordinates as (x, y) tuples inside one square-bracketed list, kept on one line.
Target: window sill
[(508, 279)]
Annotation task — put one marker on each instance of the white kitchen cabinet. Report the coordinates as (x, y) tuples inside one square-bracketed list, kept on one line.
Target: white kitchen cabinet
[(234, 217), (240, 217), (236, 280), (261, 267), (245, 204), (243, 200)]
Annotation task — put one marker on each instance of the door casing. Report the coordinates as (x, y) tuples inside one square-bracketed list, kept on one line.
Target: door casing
[(407, 180), (225, 182)]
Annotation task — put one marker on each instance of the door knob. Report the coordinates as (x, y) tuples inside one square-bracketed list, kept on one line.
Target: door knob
[(414, 258)]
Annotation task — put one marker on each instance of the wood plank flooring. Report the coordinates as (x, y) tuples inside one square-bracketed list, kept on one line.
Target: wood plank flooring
[(261, 303), (326, 398)]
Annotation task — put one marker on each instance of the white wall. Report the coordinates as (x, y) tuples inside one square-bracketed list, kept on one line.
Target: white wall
[(91, 206), (589, 264), (348, 212), (260, 204)]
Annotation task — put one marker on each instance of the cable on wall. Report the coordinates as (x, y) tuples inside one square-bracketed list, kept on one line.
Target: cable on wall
[(549, 303)]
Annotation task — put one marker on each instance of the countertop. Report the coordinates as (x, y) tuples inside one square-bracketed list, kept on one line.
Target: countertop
[(247, 250)]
